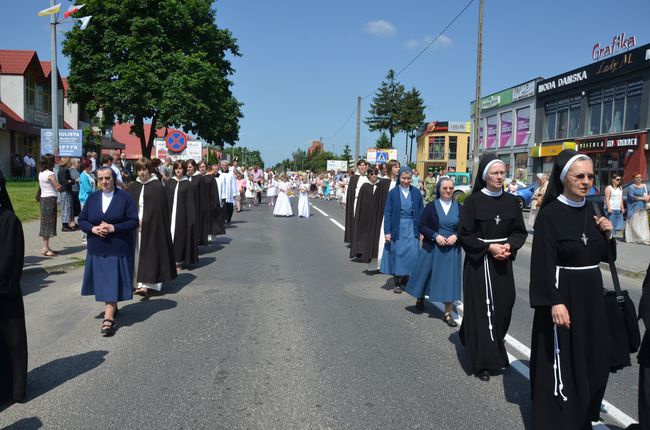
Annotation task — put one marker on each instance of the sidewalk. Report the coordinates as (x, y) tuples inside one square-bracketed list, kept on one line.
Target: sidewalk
[(72, 253), (632, 259)]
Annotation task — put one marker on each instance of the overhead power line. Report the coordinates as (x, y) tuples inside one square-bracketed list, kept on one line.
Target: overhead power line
[(458, 15)]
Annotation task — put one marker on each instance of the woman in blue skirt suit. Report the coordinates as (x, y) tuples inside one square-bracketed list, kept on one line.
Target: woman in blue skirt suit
[(109, 218), (438, 268), (401, 218)]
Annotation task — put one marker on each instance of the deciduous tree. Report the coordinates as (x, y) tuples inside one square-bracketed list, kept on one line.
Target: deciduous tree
[(160, 61)]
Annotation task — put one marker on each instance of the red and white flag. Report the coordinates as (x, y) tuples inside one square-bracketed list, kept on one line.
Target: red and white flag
[(72, 10)]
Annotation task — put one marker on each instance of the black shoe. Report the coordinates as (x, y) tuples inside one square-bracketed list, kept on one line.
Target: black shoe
[(397, 289), (449, 320), (66, 229), (108, 328), (483, 375), (419, 305)]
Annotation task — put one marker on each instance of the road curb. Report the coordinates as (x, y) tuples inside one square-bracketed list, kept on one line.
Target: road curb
[(62, 267)]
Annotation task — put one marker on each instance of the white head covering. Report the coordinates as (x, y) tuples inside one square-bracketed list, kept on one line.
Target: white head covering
[(488, 165), (572, 160)]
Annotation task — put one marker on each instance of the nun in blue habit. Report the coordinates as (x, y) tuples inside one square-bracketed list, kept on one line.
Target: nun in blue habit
[(401, 219), (437, 271)]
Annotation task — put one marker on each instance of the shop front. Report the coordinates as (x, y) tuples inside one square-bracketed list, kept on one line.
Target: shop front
[(615, 155), (604, 108)]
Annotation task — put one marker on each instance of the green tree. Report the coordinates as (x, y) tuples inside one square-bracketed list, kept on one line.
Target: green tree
[(411, 116), (298, 158), (317, 161), (347, 153), (163, 61), (383, 142), (385, 107)]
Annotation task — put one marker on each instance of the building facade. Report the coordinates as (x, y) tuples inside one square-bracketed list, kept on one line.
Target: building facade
[(25, 103), (601, 109), (442, 145), (506, 127)]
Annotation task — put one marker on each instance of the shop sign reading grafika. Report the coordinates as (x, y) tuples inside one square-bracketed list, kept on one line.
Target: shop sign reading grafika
[(602, 144), (620, 43)]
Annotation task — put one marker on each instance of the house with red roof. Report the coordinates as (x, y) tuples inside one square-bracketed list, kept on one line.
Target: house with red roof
[(25, 103)]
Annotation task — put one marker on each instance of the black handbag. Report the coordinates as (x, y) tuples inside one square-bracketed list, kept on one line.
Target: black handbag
[(621, 316)]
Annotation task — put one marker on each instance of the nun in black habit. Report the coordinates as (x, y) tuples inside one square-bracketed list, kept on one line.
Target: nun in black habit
[(571, 350), (644, 358), (216, 212), (182, 214), (154, 252), (354, 186), (491, 231), (13, 337), (367, 220), (198, 184)]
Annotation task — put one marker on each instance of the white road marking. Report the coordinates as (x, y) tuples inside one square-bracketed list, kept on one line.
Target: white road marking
[(338, 224), (316, 207), (613, 412)]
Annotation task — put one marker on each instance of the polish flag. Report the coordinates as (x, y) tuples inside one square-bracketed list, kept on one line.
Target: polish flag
[(72, 10)]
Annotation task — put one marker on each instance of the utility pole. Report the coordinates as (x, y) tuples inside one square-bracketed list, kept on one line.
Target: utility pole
[(357, 144), (54, 87), (477, 99)]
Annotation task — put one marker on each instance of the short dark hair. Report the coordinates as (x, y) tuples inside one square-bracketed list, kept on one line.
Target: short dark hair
[(361, 161), (106, 159), (182, 164), (47, 162), (144, 163)]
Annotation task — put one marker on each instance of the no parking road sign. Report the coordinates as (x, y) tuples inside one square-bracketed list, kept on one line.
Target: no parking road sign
[(176, 141)]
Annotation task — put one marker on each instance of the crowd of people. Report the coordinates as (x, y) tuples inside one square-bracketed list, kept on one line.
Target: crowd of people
[(419, 244)]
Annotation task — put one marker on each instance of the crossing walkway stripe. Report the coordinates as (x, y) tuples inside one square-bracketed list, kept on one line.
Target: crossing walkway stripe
[(613, 412)]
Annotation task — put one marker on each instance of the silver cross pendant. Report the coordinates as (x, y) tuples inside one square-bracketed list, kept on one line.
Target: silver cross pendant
[(584, 238), (497, 219)]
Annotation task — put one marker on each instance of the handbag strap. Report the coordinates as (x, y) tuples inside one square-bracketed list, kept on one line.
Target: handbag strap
[(610, 259)]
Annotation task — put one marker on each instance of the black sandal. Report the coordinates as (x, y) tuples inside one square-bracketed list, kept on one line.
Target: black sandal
[(108, 328), (449, 320), (419, 305)]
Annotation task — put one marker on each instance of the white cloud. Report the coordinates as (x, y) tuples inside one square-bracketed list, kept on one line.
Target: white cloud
[(412, 44), (380, 28), (442, 42)]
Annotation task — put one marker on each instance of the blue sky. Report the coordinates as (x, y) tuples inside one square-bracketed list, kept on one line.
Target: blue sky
[(304, 63)]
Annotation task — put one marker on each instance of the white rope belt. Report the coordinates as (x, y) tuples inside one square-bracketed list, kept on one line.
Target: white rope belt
[(558, 385), (489, 297)]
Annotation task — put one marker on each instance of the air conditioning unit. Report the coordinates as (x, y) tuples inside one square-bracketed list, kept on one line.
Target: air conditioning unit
[(3, 122)]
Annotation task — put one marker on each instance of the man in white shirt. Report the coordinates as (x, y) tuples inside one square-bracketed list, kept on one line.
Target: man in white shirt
[(227, 184)]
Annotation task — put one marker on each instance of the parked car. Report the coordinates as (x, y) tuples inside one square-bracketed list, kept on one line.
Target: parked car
[(525, 193), (462, 183)]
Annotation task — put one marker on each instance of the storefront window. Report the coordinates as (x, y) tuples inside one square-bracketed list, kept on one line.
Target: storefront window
[(437, 148), (574, 117), (505, 129), (595, 110), (562, 122), (619, 106), (549, 121), (523, 126), (608, 108), (453, 144), (521, 166), (633, 107)]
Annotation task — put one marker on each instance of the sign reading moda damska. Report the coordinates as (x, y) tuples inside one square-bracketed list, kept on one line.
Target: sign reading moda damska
[(70, 142), (623, 63), (603, 144)]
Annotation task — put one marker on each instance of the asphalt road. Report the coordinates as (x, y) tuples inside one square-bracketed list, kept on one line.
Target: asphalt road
[(277, 329)]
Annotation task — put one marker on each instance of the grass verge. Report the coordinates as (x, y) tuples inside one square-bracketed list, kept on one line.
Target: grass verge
[(22, 198)]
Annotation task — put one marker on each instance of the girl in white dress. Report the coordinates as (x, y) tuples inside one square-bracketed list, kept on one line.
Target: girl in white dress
[(282, 204), (250, 191), (271, 189), (303, 199)]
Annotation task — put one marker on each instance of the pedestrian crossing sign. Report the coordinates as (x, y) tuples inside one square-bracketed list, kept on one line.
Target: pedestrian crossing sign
[(382, 157)]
